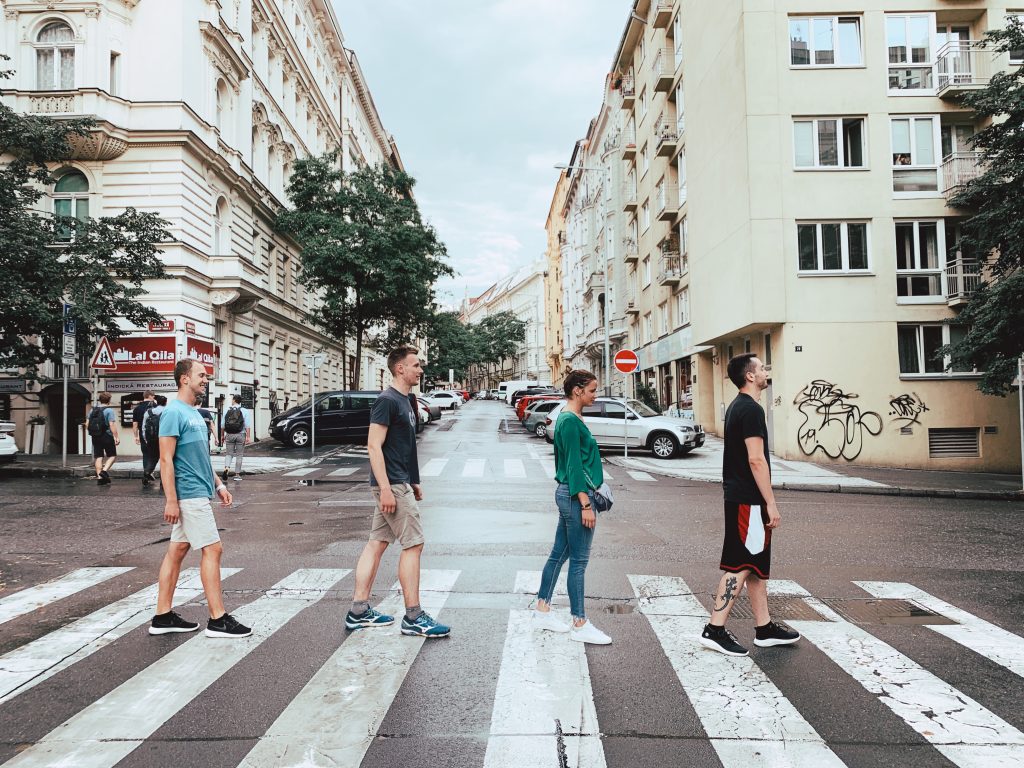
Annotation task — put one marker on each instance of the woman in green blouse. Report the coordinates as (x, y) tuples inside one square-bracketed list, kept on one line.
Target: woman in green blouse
[(578, 472)]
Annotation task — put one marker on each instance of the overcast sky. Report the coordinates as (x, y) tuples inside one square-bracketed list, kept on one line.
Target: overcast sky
[(483, 97)]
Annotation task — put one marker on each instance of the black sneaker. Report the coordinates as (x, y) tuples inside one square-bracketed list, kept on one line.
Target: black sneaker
[(149, 476), (166, 623), (774, 634), (722, 640), (224, 475), (104, 478), (226, 626)]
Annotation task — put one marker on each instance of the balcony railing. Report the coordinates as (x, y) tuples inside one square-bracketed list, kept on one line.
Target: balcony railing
[(595, 284), (963, 65), (627, 89), (632, 305), (958, 169), (630, 251), (963, 277), (628, 142), (664, 69), (667, 204), (668, 138), (670, 270), (629, 196)]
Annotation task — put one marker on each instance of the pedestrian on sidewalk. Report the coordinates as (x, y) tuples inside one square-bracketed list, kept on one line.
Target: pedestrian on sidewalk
[(236, 424), (187, 475), (150, 452), (578, 472), (207, 416), (151, 432), (751, 515), (105, 438), (395, 483)]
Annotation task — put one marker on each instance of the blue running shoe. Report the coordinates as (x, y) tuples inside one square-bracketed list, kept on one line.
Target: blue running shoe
[(371, 618), (424, 626)]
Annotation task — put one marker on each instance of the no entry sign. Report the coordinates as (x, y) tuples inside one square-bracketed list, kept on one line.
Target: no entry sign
[(626, 361)]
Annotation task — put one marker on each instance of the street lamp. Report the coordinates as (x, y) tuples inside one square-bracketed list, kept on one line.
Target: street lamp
[(607, 281)]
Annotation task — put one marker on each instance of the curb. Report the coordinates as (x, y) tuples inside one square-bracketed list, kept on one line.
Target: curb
[(90, 473), (881, 490)]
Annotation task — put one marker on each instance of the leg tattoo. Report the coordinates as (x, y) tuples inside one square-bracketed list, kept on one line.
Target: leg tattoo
[(728, 594)]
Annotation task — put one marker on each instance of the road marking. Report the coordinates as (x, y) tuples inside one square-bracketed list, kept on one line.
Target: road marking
[(27, 600), (992, 642), (114, 725), (300, 472), (960, 728), (636, 474), (528, 582), (548, 465), (433, 468), (474, 468), (543, 703), (606, 474), (344, 472), (27, 666), (747, 718), (334, 718), (515, 468)]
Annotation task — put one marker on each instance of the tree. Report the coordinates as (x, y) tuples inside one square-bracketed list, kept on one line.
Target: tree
[(994, 316), (501, 335), (365, 249), (451, 345), (99, 264)]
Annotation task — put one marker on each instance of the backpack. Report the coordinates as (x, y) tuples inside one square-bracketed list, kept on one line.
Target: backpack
[(97, 424), (234, 421), (151, 428)]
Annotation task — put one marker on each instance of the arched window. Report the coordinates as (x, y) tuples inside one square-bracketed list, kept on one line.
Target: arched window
[(55, 57), (71, 199), (220, 228), (222, 106)]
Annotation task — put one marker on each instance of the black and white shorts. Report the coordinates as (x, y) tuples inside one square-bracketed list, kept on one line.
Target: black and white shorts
[(747, 544)]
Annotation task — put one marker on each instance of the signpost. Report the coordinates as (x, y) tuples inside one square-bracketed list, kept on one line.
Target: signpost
[(67, 358), (313, 362), (626, 361)]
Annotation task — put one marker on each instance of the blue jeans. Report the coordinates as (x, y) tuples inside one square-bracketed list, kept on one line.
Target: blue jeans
[(572, 543)]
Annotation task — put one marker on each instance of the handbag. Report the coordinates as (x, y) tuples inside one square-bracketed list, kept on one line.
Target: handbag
[(602, 496)]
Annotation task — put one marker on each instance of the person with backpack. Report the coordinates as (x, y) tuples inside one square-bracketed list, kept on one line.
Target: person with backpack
[(236, 424), (105, 438), (151, 437), (150, 452)]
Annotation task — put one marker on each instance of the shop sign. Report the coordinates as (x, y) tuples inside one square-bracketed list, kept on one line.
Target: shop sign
[(190, 327), (144, 354), (164, 385), (163, 326), (248, 393), (672, 347), (206, 352), (12, 386)]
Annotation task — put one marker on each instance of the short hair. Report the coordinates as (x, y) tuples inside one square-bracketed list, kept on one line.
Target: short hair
[(237, 399), (105, 398), (161, 400), (149, 393), (182, 368), (739, 367), (398, 355), (577, 378)]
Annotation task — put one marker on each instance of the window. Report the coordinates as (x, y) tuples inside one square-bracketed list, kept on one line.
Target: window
[(647, 271), (115, 74), (683, 307), (829, 143), (222, 105), (645, 160), (55, 58), (833, 247), (825, 42), (919, 259), (645, 216), (956, 139), (915, 166), (684, 237), (642, 103), (648, 329), (1016, 55), (71, 199), (615, 411), (220, 230), (919, 346), (767, 350), (663, 326), (677, 38), (911, 46)]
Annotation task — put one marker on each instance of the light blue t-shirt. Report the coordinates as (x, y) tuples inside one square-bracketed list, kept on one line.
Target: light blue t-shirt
[(193, 473)]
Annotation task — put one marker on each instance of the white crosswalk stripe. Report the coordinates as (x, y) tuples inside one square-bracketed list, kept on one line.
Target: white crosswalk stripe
[(28, 600), (992, 642), (344, 472), (528, 582), (433, 468), (514, 468), (336, 715), (548, 465), (643, 477), (301, 472), (116, 724), (474, 468), (964, 731), (30, 664), (767, 729)]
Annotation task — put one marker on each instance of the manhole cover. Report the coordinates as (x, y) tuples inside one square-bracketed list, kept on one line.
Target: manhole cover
[(884, 611), (444, 426), (779, 606)]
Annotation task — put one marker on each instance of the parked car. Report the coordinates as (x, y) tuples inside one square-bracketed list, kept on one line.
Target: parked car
[(527, 400), (464, 393), (534, 390), (423, 413), (8, 448), (433, 410), (536, 416), (341, 417), (446, 399), (614, 420)]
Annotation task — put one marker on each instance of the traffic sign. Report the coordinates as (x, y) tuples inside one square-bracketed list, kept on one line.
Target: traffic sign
[(626, 361), (69, 321), (70, 350), (314, 361), (103, 357)]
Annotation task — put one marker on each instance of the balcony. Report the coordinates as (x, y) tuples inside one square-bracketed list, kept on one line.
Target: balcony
[(662, 14), (628, 143), (611, 143), (667, 205), (632, 305), (670, 270), (963, 277), (627, 89), (630, 251), (664, 70), (629, 197), (668, 138), (958, 169), (594, 286), (963, 66)]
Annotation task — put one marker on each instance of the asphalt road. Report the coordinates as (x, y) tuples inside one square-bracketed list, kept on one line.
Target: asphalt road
[(871, 684)]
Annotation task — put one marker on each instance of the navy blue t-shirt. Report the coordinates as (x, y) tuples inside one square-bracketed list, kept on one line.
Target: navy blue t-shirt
[(393, 410)]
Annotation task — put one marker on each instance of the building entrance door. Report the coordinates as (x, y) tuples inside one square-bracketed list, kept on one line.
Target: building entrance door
[(53, 398)]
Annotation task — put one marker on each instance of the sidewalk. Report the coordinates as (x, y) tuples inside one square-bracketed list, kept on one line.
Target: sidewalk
[(705, 464)]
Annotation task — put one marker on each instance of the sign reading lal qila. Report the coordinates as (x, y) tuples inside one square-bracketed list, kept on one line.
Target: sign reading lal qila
[(206, 352), (143, 354)]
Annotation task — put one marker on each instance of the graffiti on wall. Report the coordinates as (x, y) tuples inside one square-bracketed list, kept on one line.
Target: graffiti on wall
[(907, 408), (832, 422)]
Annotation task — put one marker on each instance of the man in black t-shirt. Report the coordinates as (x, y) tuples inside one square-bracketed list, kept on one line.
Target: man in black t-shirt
[(750, 515), (150, 453)]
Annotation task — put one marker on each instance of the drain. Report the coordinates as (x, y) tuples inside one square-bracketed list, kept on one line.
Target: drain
[(860, 610), (619, 608), (779, 606)]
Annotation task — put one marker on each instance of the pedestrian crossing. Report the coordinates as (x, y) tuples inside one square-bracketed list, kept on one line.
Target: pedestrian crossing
[(544, 709)]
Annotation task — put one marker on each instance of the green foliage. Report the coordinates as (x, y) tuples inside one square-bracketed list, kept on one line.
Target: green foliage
[(365, 250), (501, 335), (456, 346), (648, 395), (995, 314), (101, 268)]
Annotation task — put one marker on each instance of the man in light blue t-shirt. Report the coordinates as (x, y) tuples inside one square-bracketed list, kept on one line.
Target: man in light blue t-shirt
[(189, 482)]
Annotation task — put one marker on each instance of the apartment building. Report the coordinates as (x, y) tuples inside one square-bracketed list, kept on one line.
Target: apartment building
[(554, 227), (202, 109)]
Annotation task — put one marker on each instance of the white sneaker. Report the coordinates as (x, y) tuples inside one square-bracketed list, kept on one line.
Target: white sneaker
[(588, 633), (549, 621)]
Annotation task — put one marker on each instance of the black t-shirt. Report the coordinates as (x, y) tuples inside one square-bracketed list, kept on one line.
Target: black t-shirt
[(743, 418), (139, 412), (393, 410)]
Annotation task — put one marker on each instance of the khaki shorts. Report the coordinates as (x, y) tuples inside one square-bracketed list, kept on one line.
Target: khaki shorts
[(196, 524), (403, 525)]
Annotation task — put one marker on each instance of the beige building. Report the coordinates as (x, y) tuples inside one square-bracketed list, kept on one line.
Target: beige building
[(796, 207), (554, 226)]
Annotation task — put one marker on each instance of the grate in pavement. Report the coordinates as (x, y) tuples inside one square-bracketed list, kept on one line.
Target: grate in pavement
[(444, 426), (779, 606), (871, 610)]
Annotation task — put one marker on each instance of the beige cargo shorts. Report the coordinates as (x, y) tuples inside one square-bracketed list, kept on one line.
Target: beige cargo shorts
[(403, 525)]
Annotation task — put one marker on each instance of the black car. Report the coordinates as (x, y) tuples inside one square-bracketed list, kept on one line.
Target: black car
[(341, 417)]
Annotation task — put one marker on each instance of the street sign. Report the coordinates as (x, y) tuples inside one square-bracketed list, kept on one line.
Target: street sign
[(190, 327), (70, 350), (103, 357), (163, 326), (626, 361), (314, 361), (69, 322)]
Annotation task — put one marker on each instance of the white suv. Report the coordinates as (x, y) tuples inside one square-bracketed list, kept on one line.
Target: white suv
[(615, 420), (8, 448), (444, 399)]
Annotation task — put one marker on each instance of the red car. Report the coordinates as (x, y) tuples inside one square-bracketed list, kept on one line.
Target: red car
[(525, 400), (464, 393)]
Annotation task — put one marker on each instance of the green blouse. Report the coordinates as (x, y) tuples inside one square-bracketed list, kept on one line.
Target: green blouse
[(575, 454)]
